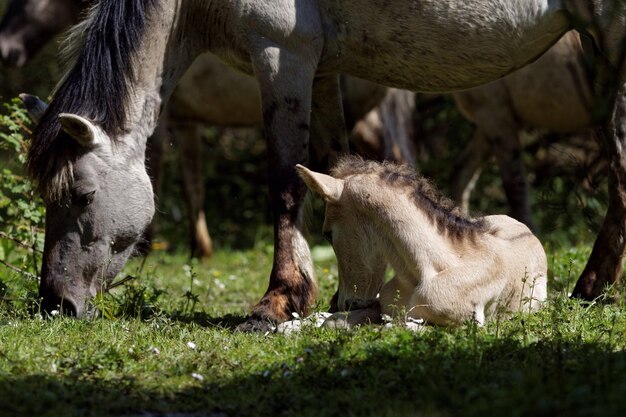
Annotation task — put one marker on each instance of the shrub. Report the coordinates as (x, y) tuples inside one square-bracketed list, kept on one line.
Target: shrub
[(21, 211)]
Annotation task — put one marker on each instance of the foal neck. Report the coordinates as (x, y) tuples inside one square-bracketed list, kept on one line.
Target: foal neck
[(418, 242)]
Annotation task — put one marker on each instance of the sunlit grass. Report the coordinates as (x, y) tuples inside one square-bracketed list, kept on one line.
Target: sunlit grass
[(168, 345)]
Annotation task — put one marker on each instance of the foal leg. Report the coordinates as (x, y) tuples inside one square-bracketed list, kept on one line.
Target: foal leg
[(189, 143), (459, 294), (605, 265), (285, 80)]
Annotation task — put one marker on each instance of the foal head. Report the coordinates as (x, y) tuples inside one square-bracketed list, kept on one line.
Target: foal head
[(355, 240), (366, 207)]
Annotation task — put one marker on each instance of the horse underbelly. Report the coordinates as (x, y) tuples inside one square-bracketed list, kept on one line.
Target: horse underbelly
[(438, 45)]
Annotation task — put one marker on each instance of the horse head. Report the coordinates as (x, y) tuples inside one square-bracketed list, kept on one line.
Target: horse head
[(98, 202)]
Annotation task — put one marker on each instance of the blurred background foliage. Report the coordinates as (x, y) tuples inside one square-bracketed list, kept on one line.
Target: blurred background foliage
[(568, 195)]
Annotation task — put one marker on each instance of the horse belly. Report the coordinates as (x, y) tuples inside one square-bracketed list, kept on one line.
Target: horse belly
[(437, 45)]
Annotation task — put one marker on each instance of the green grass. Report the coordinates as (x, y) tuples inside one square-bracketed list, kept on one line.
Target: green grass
[(167, 345)]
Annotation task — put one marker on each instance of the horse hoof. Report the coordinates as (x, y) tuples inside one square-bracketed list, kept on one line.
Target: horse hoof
[(255, 325)]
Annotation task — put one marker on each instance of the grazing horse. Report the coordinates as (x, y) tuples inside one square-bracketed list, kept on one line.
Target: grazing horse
[(210, 92), (449, 268), (553, 93), (87, 153)]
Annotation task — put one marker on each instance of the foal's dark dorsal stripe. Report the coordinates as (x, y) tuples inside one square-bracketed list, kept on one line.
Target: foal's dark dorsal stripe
[(425, 195), (96, 86)]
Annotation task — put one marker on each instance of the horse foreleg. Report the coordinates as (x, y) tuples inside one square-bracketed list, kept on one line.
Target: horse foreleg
[(285, 85), (328, 132), (605, 265), (329, 138), (187, 137)]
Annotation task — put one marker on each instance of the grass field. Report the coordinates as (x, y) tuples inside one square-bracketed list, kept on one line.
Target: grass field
[(165, 345)]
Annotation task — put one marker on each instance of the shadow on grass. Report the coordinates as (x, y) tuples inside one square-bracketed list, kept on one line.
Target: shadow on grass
[(228, 321), (404, 374)]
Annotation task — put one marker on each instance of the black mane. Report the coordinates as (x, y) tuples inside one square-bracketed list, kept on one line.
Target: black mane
[(96, 87), (446, 215)]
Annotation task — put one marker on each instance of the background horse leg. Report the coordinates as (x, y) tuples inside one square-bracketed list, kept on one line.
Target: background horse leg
[(467, 168), (189, 141), (490, 108), (605, 265), (285, 84), (154, 154), (507, 148)]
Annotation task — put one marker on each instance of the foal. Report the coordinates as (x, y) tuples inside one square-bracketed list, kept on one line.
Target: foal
[(449, 268)]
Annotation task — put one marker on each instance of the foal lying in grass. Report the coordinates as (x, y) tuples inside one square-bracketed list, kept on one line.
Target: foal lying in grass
[(449, 268)]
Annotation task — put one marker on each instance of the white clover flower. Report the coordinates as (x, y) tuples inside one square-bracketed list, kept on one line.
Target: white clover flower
[(197, 376)]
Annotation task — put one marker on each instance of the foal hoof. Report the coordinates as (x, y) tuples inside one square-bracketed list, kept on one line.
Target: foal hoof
[(255, 325), (339, 321), (348, 319)]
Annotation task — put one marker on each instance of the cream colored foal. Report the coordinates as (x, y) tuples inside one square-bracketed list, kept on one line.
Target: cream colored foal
[(449, 268)]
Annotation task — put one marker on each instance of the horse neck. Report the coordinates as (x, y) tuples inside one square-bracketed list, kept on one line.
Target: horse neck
[(161, 60), (412, 240)]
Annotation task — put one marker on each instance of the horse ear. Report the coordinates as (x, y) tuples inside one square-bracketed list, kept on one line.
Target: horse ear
[(34, 106), (327, 187), (80, 129)]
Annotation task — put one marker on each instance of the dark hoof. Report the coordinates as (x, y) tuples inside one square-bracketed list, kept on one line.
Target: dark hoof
[(255, 325)]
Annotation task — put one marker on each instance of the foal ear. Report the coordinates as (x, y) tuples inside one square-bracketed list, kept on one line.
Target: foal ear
[(327, 187), (80, 129), (34, 106)]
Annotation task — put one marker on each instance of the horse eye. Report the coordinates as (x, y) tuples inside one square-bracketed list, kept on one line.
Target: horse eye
[(328, 235), (83, 200)]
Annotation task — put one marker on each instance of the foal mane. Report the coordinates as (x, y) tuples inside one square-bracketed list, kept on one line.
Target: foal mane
[(96, 86), (442, 210)]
